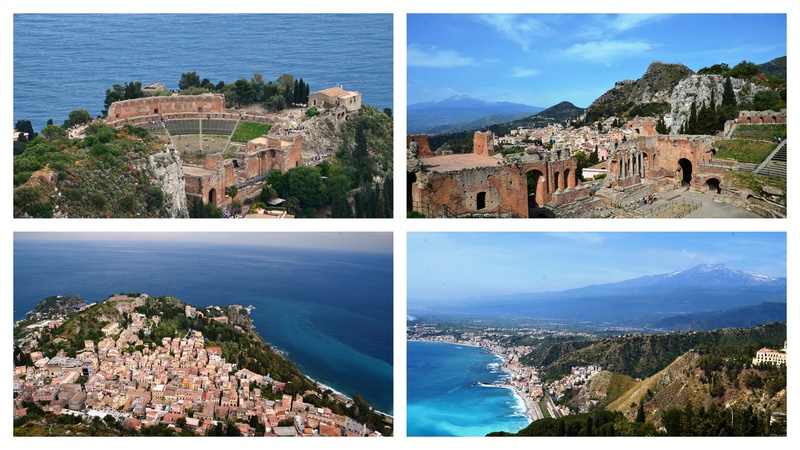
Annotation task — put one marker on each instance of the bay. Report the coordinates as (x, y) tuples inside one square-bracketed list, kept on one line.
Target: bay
[(447, 395), (64, 62), (330, 311)]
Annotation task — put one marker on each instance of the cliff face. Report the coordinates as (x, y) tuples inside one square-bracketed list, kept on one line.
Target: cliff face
[(700, 89), (166, 168)]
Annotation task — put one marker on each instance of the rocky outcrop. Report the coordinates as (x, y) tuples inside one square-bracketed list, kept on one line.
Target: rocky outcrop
[(655, 86), (700, 89), (166, 168)]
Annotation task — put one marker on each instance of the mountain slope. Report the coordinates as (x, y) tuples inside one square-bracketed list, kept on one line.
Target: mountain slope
[(653, 88), (637, 302), (439, 114)]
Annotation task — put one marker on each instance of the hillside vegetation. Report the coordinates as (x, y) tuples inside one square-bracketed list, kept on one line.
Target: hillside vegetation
[(643, 355), (103, 175)]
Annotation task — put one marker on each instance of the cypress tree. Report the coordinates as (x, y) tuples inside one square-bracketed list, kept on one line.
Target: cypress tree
[(728, 97), (691, 127)]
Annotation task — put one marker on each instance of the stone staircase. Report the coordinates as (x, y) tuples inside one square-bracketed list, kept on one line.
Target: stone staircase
[(775, 164)]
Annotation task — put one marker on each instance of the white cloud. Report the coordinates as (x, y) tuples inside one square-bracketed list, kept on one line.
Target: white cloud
[(522, 72), (435, 57), (605, 52), (625, 22), (521, 30)]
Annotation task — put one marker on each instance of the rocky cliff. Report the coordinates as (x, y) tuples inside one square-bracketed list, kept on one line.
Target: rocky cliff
[(166, 168), (700, 89)]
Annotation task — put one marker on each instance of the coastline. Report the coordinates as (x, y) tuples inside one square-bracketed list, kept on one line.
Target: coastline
[(522, 399)]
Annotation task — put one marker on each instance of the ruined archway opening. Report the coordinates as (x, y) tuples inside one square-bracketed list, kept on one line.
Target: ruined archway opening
[(212, 197), (566, 178), (480, 201), (686, 171), (712, 185), (534, 178), (555, 180)]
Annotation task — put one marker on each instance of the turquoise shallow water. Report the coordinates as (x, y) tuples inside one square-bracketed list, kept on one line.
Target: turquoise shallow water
[(330, 311), (444, 399)]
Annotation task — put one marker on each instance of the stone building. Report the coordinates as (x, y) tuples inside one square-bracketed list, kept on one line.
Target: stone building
[(335, 97)]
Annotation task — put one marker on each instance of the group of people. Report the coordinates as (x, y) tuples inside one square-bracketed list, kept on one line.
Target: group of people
[(649, 199)]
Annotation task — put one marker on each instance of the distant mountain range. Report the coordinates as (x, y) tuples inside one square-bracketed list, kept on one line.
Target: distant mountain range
[(663, 88), (642, 301), (462, 112)]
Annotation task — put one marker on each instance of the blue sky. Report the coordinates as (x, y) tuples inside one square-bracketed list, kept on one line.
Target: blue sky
[(543, 59), (462, 265)]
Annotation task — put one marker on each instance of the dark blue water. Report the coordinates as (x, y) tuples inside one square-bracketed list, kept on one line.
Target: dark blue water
[(65, 62), (444, 400), (331, 311)]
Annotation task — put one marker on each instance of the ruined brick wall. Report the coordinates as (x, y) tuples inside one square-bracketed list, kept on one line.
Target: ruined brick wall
[(423, 148), (644, 126), (482, 143), (762, 117), (498, 189), (294, 156), (553, 176), (175, 104)]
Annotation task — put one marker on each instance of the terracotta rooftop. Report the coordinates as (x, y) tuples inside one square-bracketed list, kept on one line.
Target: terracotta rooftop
[(448, 163), (336, 92)]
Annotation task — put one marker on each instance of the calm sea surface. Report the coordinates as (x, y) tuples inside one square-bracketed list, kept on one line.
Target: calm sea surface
[(330, 311), (444, 399), (64, 62)]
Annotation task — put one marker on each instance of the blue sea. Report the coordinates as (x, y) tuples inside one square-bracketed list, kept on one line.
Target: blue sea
[(64, 62), (444, 398), (331, 311)]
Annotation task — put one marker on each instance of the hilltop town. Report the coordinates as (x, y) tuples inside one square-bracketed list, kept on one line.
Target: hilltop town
[(136, 365)]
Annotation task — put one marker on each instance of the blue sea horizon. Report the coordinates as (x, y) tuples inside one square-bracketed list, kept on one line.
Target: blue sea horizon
[(65, 62)]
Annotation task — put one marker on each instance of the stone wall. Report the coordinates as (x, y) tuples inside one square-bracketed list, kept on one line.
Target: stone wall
[(483, 190), (120, 112)]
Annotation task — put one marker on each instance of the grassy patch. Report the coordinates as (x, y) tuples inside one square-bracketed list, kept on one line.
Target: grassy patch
[(743, 151), (246, 131), (753, 182), (765, 132)]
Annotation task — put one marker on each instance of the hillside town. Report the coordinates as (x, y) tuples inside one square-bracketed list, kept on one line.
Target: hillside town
[(183, 384)]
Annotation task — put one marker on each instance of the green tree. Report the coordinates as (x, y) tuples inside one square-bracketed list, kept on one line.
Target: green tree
[(745, 70), (77, 117), (728, 96), (278, 181), (53, 132), (767, 99), (231, 190), (25, 126), (307, 185), (188, 80), (640, 413)]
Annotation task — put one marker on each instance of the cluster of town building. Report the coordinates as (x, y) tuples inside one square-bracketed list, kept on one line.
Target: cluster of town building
[(181, 383)]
